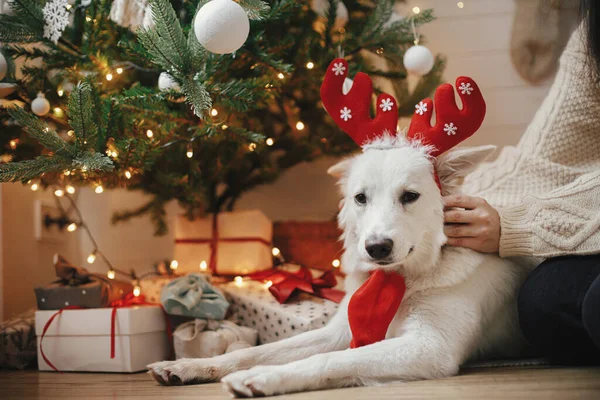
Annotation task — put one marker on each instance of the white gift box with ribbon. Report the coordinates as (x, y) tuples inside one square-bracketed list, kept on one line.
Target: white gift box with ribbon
[(230, 243)]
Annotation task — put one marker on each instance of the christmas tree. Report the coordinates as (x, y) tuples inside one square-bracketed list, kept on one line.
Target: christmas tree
[(216, 126)]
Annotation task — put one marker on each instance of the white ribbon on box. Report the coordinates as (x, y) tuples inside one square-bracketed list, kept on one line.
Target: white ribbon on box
[(79, 340), (242, 241)]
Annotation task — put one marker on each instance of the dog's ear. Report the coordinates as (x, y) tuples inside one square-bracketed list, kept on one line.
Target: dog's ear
[(453, 166), (340, 169)]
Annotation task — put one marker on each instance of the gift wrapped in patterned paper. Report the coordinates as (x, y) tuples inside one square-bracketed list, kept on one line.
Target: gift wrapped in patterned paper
[(152, 287), (78, 287), (192, 296), (252, 305), (18, 346)]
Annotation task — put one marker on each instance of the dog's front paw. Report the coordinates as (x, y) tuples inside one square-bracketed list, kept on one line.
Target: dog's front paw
[(185, 371), (255, 382)]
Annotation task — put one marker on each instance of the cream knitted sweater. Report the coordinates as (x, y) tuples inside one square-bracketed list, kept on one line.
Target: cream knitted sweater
[(547, 188)]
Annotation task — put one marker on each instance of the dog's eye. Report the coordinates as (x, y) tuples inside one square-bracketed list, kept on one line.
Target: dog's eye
[(361, 198), (409, 197)]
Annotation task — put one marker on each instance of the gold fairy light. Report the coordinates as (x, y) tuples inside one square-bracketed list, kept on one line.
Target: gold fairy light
[(416, 10), (13, 143), (174, 265), (336, 263), (59, 193), (460, 4), (275, 251), (70, 189), (119, 70), (214, 112), (128, 174), (72, 227), (203, 266), (111, 274), (300, 125), (149, 133), (99, 189), (91, 257), (34, 187), (190, 151), (238, 280), (310, 65), (280, 75), (270, 142), (109, 77), (137, 290)]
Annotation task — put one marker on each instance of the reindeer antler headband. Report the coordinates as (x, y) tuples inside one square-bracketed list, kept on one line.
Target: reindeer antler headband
[(351, 111)]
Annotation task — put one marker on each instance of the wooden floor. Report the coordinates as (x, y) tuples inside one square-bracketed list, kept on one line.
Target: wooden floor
[(499, 383)]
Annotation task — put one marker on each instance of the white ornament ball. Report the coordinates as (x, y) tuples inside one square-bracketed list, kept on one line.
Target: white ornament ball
[(347, 85), (40, 106), (418, 60), (166, 82), (222, 26), (3, 66)]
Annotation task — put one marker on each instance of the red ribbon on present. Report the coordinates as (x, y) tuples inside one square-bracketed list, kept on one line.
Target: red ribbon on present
[(285, 283), (214, 242), (130, 300)]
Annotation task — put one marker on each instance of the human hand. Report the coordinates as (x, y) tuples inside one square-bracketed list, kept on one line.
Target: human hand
[(476, 227)]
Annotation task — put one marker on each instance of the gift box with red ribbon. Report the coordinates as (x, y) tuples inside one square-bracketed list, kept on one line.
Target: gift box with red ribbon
[(283, 302), (231, 243), (122, 338)]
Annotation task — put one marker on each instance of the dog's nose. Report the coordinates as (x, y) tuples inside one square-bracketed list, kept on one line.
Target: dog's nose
[(380, 249)]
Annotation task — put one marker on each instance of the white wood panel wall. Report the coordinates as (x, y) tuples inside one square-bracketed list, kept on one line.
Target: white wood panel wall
[(476, 41)]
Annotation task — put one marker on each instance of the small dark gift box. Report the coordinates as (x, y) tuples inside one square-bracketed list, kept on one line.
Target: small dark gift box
[(78, 287)]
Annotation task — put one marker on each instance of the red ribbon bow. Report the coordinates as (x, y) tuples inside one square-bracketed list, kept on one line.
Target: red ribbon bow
[(285, 283), (130, 300), (214, 242)]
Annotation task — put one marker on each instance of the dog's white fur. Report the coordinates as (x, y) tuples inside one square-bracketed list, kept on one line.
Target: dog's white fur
[(459, 304)]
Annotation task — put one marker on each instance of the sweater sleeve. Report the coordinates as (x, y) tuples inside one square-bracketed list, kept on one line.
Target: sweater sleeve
[(564, 222)]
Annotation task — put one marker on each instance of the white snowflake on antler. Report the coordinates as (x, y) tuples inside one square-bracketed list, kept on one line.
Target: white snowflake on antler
[(421, 108), (56, 19), (386, 105), (450, 129), (466, 88), (345, 114), (338, 69)]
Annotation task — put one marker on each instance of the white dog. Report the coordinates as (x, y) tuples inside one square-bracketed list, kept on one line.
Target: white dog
[(459, 305)]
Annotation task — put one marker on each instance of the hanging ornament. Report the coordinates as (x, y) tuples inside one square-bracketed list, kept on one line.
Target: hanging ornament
[(418, 59), (321, 8), (347, 85), (166, 82), (221, 26), (56, 19), (5, 7), (131, 13), (3, 66), (40, 106)]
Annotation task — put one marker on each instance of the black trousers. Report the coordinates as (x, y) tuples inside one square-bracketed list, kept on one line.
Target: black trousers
[(559, 309)]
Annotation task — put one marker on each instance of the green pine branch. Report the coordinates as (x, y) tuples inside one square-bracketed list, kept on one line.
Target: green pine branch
[(30, 169), (82, 113)]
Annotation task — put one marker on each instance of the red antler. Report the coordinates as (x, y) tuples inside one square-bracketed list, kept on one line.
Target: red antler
[(452, 124), (351, 111)]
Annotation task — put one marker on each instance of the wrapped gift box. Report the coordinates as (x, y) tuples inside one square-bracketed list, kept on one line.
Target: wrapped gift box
[(243, 245), (314, 244), (252, 305), (18, 342), (76, 286), (152, 287), (79, 340)]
